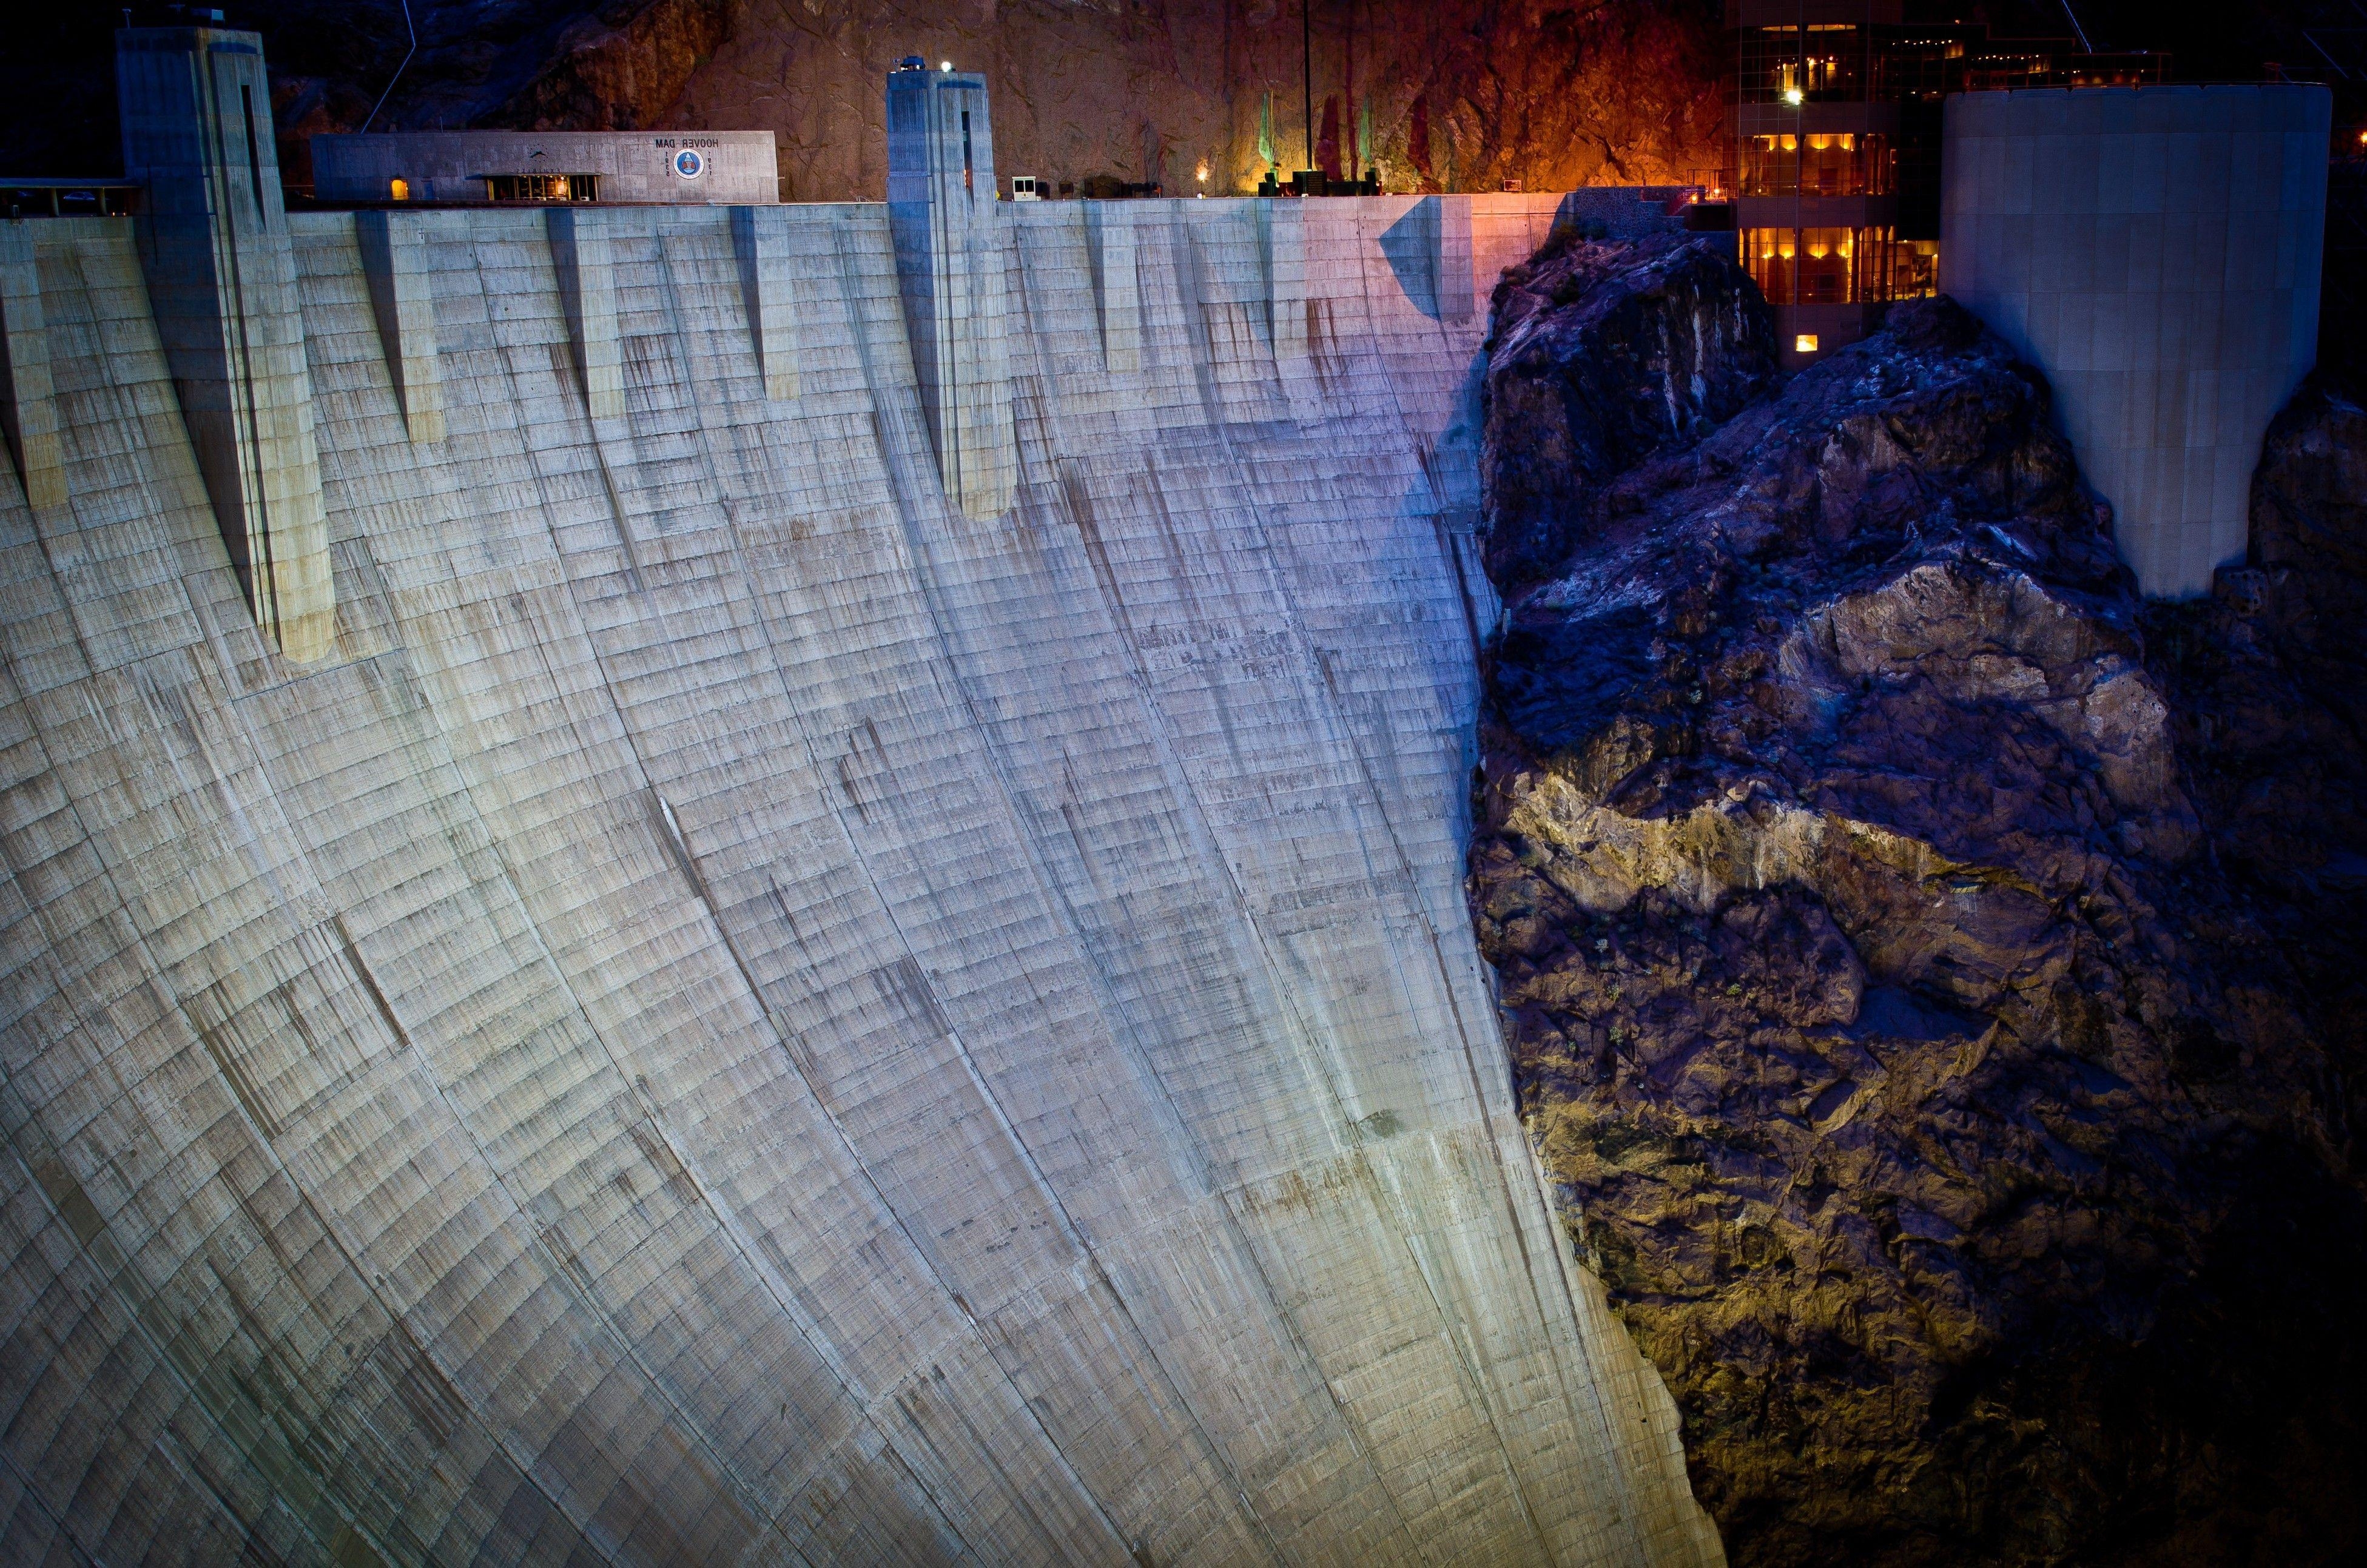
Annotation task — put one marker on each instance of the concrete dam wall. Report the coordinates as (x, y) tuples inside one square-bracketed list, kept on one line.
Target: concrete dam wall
[(736, 1012)]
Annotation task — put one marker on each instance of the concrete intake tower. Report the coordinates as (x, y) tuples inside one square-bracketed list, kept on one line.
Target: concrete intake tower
[(763, 884)]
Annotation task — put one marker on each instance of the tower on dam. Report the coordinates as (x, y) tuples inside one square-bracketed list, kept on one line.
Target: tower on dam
[(2156, 252), (949, 261), (196, 108)]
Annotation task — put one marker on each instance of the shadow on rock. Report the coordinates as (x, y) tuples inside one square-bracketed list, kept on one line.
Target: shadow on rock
[(1932, 973)]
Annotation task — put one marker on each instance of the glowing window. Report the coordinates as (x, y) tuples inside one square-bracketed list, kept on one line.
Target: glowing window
[(398, 190), (542, 188), (1806, 343)]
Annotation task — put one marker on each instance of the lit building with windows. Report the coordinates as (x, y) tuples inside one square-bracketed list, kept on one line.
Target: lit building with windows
[(1837, 141), (672, 167)]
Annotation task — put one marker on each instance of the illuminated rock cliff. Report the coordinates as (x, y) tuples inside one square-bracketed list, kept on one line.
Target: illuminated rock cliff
[(1931, 974)]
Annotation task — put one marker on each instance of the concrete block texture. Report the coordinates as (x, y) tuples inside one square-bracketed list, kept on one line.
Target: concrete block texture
[(394, 260), (1118, 291), (195, 108), (28, 413), (949, 248), (2154, 250), (741, 1016), (587, 287), (761, 237)]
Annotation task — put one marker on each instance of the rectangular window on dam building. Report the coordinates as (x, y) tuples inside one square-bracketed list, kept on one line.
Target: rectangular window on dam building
[(1839, 266), (1835, 163), (541, 187), (1821, 61)]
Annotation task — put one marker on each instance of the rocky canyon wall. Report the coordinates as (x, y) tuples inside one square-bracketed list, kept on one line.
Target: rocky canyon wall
[(1931, 971), (1459, 96)]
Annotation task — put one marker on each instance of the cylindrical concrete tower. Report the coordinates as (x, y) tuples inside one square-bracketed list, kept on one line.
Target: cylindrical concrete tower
[(2155, 251)]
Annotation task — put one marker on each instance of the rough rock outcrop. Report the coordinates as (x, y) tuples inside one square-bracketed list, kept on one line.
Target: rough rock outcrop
[(1602, 356), (1931, 974)]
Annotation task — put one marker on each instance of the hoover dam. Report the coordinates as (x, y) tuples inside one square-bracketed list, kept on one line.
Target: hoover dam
[(1643, 875), (685, 998)]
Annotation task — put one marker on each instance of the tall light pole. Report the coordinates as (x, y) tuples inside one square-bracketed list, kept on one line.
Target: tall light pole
[(1307, 75)]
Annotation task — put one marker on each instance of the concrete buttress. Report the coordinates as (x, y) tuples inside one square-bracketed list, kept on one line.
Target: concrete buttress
[(1117, 296), (949, 268), (1282, 248), (195, 108), (760, 237), (1451, 255), (587, 288), (394, 260), (28, 409)]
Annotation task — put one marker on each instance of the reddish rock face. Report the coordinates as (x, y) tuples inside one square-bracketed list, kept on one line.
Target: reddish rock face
[(1460, 96), (1624, 92), (1933, 976)]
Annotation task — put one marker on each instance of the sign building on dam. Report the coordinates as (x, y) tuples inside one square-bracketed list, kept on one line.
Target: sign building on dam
[(757, 884)]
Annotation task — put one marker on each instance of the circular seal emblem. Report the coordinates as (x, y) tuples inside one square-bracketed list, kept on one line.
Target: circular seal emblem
[(689, 163)]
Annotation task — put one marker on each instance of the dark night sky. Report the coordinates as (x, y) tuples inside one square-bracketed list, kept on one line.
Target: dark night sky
[(56, 78)]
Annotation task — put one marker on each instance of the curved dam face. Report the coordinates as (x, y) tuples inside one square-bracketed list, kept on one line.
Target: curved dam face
[(737, 1013)]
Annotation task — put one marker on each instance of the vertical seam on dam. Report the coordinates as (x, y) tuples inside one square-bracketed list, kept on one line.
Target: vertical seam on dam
[(1385, 1196), (866, 1402), (917, 552)]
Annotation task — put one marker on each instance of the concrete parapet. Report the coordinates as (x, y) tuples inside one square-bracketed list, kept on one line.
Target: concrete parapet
[(394, 263), (587, 292), (1282, 253), (196, 110), (1231, 254), (2156, 252), (760, 241), (27, 407), (1629, 212), (949, 268), (1118, 298)]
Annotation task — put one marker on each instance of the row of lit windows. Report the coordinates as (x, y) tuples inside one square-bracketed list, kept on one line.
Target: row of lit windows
[(520, 187), (542, 188), (1837, 162), (1842, 62), (1781, 65), (1839, 266)]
